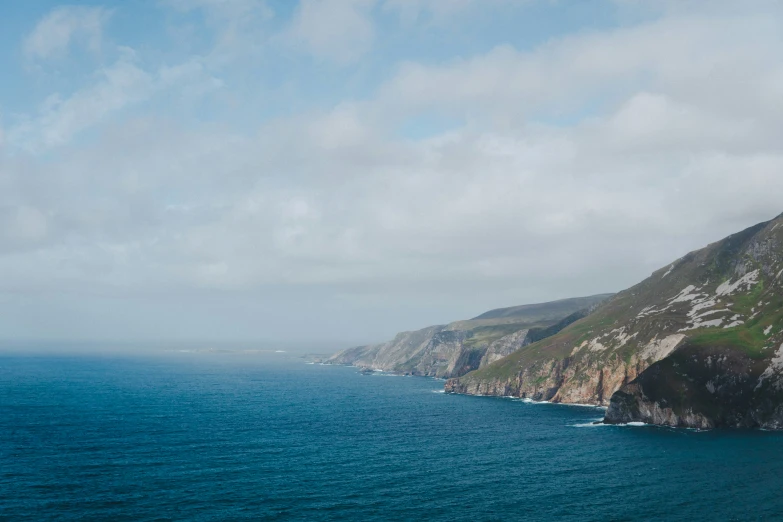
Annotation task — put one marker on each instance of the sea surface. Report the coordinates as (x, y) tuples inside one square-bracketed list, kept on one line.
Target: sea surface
[(268, 437)]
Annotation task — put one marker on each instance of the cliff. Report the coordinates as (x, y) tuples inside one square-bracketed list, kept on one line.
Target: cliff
[(462, 346), (697, 344)]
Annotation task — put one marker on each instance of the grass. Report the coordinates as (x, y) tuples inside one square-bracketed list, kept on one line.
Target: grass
[(486, 334), (745, 302), (748, 338)]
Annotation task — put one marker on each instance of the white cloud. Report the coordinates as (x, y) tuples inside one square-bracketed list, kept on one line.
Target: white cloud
[(238, 26), (59, 119), (338, 30), (576, 167), (59, 29), (116, 87), (438, 11)]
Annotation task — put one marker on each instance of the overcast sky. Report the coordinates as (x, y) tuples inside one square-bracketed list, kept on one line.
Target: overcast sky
[(340, 170)]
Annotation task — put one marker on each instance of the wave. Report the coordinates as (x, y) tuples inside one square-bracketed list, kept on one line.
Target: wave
[(634, 424), (579, 405), (598, 422), (638, 424), (594, 424)]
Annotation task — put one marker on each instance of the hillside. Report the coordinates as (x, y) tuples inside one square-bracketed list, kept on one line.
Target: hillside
[(697, 344), (454, 349), (541, 311)]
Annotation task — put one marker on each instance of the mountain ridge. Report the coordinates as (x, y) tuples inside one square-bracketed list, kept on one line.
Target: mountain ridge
[(722, 300), (456, 348)]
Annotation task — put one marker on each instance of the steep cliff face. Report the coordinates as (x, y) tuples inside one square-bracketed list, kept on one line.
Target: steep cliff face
[(705, 386), (460, 347), (505, 346), (699, 344), (558, 380)]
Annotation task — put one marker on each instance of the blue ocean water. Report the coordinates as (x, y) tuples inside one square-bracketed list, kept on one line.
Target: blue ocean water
[(249, 438)]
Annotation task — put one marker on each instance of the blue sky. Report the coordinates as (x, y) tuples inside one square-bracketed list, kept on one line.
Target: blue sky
[(280, 80), (236, 169)]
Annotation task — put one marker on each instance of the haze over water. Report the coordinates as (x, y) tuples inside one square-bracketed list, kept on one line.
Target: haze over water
[(231, 437)]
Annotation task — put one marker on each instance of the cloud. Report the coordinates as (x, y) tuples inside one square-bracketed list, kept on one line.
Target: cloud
[(687, 56), (341, 31), (116, 87), (238, 26), (575, 167), (62, 27), (438, 11), (59, 119)]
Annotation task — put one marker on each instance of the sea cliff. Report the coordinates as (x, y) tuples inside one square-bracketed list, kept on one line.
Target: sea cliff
[(697, 344)]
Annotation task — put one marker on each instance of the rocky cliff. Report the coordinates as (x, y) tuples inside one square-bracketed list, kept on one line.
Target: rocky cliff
[(460, 347), (697, 344)]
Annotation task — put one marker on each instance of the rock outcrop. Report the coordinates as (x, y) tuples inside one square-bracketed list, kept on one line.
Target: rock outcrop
[(703, 387), (698, 344)]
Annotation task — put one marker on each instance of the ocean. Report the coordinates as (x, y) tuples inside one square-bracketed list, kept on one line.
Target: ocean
[(268, 437)]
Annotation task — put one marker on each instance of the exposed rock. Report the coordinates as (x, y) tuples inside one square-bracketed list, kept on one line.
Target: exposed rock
[(505, 346), (565, 380), (631, 405), (701, 387)]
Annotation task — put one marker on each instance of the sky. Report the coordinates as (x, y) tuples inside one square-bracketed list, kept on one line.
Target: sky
[(340, 170)]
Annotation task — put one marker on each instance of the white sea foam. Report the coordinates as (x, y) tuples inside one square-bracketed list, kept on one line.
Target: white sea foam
[(634, 424), (594, 424)]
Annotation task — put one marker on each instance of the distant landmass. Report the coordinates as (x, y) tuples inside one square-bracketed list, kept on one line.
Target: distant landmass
[(462, 346), (698, 344)]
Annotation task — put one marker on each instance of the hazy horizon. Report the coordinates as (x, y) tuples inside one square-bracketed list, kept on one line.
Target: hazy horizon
[(328, 173)]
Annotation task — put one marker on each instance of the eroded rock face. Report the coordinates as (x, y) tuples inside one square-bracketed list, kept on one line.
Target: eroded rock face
[(563, 381), (631, 405), (505, 346), (701, 387)]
